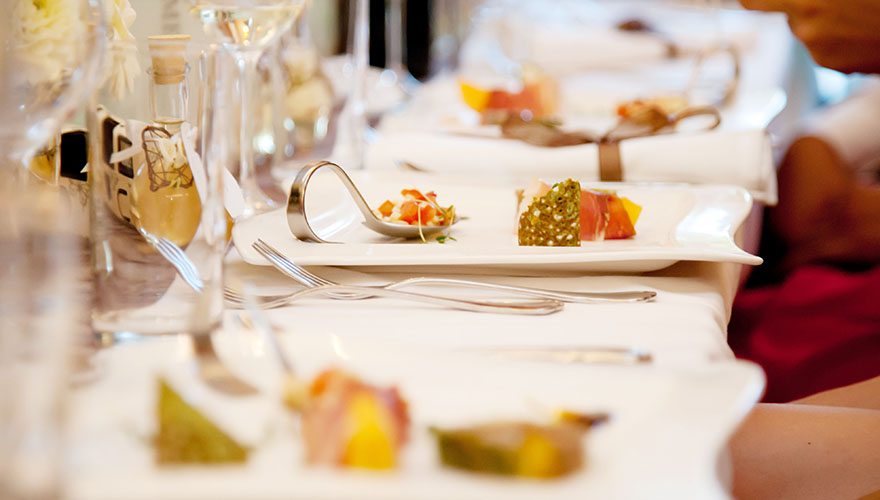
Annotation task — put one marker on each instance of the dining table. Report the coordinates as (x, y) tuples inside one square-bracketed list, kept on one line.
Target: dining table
[(661, 369)]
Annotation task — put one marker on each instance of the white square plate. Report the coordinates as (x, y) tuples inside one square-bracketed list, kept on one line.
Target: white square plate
[(678, 222), (666, 434)]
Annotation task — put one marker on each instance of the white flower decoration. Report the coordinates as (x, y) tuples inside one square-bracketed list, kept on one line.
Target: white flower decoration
[(172, 151), (124, 66), (44, 38)]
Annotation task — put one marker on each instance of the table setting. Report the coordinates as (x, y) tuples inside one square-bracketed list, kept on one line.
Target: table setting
[(511, 279)]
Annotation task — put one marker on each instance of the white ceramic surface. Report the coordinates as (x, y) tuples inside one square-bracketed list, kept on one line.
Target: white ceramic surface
[(666, 435), (678, 222)]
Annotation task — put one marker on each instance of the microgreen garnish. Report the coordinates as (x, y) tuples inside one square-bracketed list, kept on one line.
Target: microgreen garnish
[(443, 237), (419, 215)]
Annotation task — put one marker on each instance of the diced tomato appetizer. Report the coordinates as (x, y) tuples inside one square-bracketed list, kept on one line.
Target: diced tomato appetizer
[(416, 208), (386, 208), (411, 213)]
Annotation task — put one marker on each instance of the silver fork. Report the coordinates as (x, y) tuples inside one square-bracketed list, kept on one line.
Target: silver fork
[(187, 270), (178, 258), (212, 371), (528, 306), (298, 273)]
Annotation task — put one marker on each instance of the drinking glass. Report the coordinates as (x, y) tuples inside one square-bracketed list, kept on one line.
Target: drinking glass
[(158, 226), (396, 72), (307, 94), (246, 28), (450, 25), (350, 146), (50, 56)]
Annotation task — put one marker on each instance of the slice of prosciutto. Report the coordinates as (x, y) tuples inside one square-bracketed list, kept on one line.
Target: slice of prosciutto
[(604, 216)]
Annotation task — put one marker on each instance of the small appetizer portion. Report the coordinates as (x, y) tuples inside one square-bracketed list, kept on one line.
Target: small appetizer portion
[(606, 216), (652, 112), (537, 98), (347, 422), (188, 437), (514, 448), (587, 420), (552, 218), (601, 214), (416, 209)]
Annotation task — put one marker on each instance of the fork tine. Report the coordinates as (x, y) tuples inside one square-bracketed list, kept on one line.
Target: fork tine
[(178, 257), (293, 267), (184, 266), (290, 269), (182, 258), (231, 295), (284, 264)]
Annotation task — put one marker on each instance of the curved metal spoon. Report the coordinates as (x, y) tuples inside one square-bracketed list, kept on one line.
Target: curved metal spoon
[(298, 221)]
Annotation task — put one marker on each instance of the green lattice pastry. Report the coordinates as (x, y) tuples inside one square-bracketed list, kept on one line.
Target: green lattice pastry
[(553, 220), (513, 448), (188, 437)]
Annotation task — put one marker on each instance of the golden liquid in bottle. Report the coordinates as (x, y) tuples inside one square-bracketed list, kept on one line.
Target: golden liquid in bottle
[(172, 211), (43, 166), (43, 163)]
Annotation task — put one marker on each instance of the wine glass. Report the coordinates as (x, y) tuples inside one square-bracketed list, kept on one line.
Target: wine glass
[(396, 72), (245, 28), (51, 55)]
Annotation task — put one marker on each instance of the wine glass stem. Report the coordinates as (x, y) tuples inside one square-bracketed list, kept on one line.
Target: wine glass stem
[(395, 37), (357, 108), (255, 200)]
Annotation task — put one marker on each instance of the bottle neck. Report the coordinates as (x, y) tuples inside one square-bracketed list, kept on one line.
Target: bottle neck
[(168, 100)]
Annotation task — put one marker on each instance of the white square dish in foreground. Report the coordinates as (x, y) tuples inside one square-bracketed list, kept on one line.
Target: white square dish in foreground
[(667, 430)]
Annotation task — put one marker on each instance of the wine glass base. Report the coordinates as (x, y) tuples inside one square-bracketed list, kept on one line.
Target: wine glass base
[(256, 202)]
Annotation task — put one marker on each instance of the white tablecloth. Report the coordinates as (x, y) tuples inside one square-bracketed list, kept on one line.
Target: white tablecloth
[(686, 323), (673, 443)]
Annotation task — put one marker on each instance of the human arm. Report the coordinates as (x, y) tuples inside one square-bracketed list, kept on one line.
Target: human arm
[(824, 213), (841, 34), (804, 452), (865, 394)]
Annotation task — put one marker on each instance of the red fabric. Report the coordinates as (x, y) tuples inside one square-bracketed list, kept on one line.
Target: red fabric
[(818, 330)]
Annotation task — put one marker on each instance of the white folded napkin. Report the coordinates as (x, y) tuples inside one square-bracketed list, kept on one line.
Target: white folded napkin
[(737, 157), (583, 36)]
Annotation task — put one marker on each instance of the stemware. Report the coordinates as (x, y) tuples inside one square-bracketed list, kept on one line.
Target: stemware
[(245, 28), (51, 53), (397, 74), (351, 143)]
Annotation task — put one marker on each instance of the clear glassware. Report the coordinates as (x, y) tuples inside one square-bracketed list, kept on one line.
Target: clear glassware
[(246, 28), (351, 141), (50, 58), (306, 92), (450, 25), (155, 179), (396, 73), (44, 315)]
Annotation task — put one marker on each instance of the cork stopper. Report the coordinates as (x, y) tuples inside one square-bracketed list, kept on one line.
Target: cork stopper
[(167, 53)]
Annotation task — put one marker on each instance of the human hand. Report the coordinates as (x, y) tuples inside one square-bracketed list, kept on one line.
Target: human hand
[(840, 34)]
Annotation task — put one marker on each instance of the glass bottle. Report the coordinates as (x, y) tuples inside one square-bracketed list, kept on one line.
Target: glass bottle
[(165, 201)]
